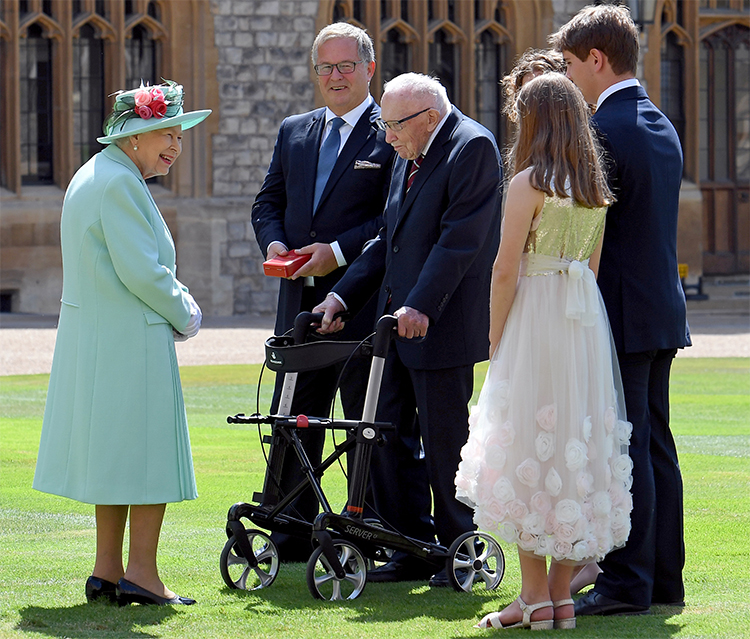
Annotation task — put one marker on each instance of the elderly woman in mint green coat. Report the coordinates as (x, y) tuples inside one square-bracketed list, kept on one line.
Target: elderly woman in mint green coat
[(115, 431)]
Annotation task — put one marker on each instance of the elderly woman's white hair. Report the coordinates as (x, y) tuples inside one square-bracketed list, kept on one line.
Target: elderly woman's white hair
[(423, 88)]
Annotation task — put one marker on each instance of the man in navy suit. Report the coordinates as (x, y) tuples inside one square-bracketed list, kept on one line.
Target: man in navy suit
[(641, 288), (431, 264), (325, 200)]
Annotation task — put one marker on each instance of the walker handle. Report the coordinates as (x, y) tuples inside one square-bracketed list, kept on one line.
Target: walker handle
[(302, 325), (306, 320), (385, 329)]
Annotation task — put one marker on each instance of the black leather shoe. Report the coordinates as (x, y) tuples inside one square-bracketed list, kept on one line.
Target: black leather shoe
[(440, 579), (398, 571), (100, 589), (594, 603), (128, 592)]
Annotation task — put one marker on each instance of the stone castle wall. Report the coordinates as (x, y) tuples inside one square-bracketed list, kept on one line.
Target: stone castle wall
[(263, 76)]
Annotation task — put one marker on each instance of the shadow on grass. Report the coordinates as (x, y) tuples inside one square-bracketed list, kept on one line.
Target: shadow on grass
[(378, 602), (90, 620), (402, 602)]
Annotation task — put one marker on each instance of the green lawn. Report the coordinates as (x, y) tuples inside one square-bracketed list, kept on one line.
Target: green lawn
[(47, 543)]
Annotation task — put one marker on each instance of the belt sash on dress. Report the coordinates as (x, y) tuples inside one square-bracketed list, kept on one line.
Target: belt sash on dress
[(582, 302)]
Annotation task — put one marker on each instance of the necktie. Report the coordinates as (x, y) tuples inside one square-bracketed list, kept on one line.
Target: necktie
[(329, 151), (413, 171)]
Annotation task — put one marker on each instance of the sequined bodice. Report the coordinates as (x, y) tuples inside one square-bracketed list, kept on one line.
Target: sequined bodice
[(565, 229)]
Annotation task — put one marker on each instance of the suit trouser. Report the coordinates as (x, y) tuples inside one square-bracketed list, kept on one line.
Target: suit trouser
[(313, 396), (649, 567), (430, 411)]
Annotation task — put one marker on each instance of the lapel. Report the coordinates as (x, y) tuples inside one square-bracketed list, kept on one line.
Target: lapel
[(310, 149), (431, 161), (363, 130), (116, 154)]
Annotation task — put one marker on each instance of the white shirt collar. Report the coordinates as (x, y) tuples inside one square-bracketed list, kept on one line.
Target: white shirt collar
[(352, 117), (435, 132), (624, 84)]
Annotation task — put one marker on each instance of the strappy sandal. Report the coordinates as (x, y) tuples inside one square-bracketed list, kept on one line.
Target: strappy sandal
[(568, 623), (492, 620)]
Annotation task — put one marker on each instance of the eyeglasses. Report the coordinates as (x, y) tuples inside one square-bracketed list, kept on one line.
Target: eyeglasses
[(397, 125), (343, 67)]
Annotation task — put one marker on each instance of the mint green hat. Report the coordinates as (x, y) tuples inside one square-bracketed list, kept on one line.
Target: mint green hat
[(149, 108)]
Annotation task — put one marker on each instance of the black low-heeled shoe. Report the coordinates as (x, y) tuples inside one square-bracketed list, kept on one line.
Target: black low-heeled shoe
[(128, 592), (97, 588)]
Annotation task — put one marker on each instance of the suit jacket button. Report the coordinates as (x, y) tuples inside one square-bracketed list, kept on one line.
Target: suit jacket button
[(313, 234), (395, 249)]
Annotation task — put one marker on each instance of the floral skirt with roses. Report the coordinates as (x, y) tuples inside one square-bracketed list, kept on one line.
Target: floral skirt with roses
[(546, 464)]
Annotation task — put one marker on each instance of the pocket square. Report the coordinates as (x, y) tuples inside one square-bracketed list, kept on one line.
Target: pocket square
[(364, 164)]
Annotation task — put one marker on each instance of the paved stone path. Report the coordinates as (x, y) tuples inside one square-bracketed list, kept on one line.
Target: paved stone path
[(27, 343)]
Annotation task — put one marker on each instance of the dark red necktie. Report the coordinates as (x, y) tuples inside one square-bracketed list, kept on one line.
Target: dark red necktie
[(413, 171)]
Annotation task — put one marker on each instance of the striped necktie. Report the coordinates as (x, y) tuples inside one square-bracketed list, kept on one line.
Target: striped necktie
[(413, 171), (329, 151)]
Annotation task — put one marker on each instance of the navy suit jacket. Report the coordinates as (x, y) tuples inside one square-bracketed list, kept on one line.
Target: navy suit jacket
[(638, 274), (436, 250), (350, 208)]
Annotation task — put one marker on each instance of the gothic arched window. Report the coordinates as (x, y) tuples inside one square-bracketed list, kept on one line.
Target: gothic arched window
[(35, 55), (444, 63), (61, 60), (141, 58), (339, 11), (88, 92), (490, 63), (724, 148), (396, 56), (673, 82)]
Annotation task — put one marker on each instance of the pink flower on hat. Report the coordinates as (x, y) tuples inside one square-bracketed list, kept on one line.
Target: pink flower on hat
[(143, 97), (149, 102)]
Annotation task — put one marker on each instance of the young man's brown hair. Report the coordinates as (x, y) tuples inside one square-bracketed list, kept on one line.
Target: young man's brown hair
[(606, 27)]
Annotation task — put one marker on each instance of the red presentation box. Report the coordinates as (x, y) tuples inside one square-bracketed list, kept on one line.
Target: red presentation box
[(284, 266)]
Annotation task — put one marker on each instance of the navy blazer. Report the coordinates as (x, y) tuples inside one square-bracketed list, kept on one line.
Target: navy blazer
[(436, 250), (350, 208), (638, 274)]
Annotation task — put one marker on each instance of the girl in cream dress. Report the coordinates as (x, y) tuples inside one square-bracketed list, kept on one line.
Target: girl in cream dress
[(546, 464)]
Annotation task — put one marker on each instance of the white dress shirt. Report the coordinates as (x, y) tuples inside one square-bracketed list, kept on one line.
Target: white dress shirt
[(618, 86), (350, 121)]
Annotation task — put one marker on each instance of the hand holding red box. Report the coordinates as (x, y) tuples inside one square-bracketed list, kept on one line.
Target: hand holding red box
[(285, 265)]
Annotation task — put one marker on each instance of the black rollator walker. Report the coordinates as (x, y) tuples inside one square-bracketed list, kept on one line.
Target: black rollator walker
[(343, 542)]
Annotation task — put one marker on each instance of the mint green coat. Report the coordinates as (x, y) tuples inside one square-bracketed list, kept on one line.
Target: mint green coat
[(115, 430)]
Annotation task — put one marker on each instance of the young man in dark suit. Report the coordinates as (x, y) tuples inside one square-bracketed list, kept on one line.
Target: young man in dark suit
[(431, 264), (324, 196), (641, 288)]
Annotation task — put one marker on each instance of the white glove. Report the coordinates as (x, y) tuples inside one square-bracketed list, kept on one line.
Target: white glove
[(179, 337), (196, 317)]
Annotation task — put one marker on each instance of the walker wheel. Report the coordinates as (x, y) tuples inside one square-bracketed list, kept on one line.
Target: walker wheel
[(475, 557), (322, 581), (235, 569)]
